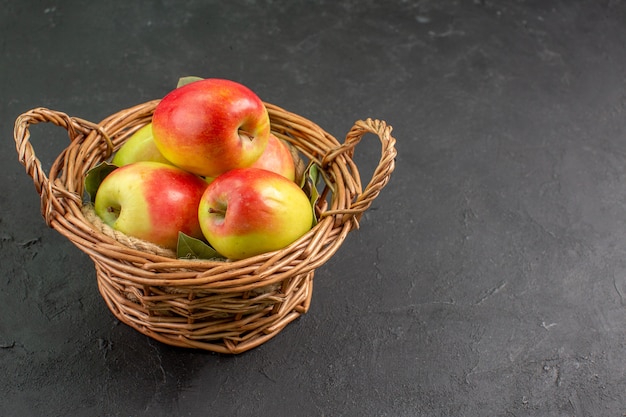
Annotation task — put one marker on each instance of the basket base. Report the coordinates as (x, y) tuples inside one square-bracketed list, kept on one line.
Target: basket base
[(230, 323)]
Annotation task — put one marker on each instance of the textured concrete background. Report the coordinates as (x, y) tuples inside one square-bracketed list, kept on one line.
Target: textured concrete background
[(489, 277)]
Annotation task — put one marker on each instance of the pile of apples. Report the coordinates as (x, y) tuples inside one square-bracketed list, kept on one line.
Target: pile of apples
[(207, 166)]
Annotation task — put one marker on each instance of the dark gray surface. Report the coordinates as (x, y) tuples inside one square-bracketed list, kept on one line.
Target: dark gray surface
[(489, 277)]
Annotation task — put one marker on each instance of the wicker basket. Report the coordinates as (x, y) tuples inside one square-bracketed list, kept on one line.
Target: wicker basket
[(226, 307)]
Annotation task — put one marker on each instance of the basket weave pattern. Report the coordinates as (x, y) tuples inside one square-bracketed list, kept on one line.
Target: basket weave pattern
[(226, 307)]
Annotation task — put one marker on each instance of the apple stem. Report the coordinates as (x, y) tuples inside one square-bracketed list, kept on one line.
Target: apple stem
[(115, 211), (216, 211), (247, 135)]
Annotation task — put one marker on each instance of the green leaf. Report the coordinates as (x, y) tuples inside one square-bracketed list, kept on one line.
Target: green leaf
[(310, 180), (187, 80), (191, 248), (95, 176)]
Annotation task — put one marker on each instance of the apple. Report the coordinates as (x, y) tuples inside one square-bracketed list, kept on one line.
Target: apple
[(152, 201), (211, 126), (277, 158), (139, 147), (249, 211)]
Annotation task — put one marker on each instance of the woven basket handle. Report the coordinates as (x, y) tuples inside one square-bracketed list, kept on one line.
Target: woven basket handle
[(381, 174), (46, 184)]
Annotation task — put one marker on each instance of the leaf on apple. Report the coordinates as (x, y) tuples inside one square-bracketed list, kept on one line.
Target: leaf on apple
[(95, 176), (191, 248), (187, 80)]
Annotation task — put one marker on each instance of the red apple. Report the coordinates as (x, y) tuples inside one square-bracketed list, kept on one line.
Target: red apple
[(277, 158), (249, 211), (152, 201), (210, 126)]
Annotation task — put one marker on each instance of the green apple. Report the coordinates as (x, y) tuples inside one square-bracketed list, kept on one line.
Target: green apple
[(277, 158), (249, 211), (139, 147), (152, 201), (211, 126)]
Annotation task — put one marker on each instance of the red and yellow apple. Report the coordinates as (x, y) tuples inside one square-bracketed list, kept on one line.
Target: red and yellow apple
[(249, 211), (277, 158), (139, 146), (211, 126), (152, 201)]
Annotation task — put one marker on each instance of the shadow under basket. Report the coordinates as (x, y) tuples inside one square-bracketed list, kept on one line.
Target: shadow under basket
[(220, 306)]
